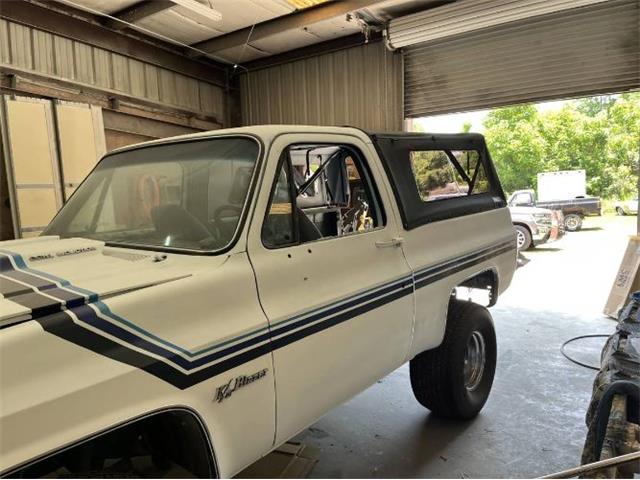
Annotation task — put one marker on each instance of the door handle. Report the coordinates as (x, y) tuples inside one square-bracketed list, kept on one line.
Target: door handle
[(394, 242)]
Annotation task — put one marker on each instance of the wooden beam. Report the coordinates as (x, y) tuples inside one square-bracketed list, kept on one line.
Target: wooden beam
[(136, 12), (66, 25), (298, 19), (18, 80)]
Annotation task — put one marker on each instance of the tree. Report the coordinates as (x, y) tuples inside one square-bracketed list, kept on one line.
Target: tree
[(599, 134), (592, 106), (515, 144)]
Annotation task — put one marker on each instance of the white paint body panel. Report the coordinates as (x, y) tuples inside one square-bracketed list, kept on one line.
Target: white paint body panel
[(187, 309), (327, 368)]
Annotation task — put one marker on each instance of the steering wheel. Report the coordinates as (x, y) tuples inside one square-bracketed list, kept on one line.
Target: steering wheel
[(172, 220), (217, 214)]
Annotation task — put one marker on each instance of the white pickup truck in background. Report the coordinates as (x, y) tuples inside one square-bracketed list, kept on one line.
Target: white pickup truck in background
[(200, 300), (564, 191)]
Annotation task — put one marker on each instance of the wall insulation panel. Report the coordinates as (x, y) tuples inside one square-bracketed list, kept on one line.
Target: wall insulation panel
[(359, 86), (31, 163), (81, 141)]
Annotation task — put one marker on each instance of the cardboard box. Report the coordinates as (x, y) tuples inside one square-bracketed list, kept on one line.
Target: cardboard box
[(627, 279)]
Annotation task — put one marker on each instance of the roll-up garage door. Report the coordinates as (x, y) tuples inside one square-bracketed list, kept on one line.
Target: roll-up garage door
[(576, 52)]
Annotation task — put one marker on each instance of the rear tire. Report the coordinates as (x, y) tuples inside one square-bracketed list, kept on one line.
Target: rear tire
[(454, 380), (573, 222), (620, 211), (523, 238)]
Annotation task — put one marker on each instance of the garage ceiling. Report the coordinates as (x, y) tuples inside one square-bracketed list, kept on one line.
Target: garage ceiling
[(307, 22)]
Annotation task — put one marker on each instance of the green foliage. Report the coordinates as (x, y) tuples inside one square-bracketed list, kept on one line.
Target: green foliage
[(435, 174), (432, 171), (600, 135)]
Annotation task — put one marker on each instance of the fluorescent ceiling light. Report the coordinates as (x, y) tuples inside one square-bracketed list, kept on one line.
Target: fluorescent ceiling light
[(302, 4), (200, 9)]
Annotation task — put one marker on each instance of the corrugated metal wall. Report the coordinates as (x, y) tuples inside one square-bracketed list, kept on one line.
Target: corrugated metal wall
[(584, 51), (48, 54), (360, 86)]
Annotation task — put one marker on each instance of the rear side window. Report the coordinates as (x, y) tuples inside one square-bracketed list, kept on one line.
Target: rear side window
[(441, 174), (438, 177)]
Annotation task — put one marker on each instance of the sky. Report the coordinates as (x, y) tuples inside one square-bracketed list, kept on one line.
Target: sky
[(453, 122)]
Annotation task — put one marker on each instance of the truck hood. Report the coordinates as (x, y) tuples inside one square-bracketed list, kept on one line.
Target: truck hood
[(44, 275)]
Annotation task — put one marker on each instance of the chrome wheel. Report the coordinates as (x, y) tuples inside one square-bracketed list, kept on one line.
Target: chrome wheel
[(474, 360), (572, 222), (520, 239)]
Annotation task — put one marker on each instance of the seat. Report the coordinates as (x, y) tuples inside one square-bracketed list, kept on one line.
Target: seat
[(308, 229)]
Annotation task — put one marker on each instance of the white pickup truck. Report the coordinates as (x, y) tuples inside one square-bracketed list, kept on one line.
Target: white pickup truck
[(199, 300)]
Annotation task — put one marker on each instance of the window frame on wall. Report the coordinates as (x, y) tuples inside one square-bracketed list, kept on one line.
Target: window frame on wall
[(363, 168)]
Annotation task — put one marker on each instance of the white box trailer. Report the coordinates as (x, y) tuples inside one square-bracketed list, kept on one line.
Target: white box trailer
[(562, 185)]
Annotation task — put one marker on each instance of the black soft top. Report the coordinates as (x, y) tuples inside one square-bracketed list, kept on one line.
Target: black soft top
[(394, 150)]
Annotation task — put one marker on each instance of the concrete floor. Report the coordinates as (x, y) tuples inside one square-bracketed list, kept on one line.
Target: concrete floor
[(533, 423)]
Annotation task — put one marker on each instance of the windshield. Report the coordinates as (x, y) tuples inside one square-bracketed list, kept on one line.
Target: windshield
[(187, 195)]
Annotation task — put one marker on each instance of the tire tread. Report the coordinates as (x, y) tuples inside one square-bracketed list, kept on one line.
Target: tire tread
[(431, 371)]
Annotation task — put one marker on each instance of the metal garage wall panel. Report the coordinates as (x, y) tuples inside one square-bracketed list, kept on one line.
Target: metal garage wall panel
[(585, 51), (84, 62), (120, 69), (43, 57), (359, 86), (34, 50), (20, 46), (5, 53), (470, 15), (64, 58), (152, 85), (102, 67), (137, 78)]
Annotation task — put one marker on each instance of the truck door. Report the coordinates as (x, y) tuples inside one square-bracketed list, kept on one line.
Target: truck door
[(332, 279), (454, 218)]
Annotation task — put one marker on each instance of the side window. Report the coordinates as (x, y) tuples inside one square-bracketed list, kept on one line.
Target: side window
[(277, 229), (334, 196), (441, 174), (522, 199)]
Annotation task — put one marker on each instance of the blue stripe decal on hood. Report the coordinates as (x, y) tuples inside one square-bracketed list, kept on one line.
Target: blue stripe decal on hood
[(87, 314), (283, 333)]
